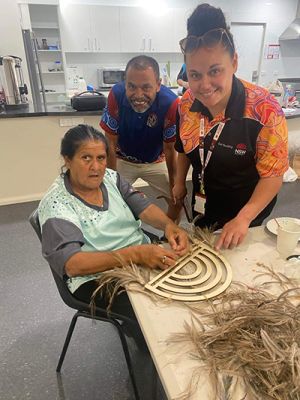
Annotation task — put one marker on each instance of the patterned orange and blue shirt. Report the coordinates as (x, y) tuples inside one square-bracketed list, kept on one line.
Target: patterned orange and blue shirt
[(252, 145)]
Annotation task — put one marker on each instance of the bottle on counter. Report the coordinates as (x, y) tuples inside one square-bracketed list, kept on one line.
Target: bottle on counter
[(57, 66), (81, 85), (288, 97), (165, 77), (45, 44)]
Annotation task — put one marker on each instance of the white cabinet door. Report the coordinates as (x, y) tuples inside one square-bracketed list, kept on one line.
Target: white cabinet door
[(161, 32), (134, 30), (105, 29), (141, 31), (180, 16), (249, 44), (75, 28)]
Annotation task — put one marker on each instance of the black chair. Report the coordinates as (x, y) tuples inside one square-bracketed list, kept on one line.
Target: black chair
[(83, 310)]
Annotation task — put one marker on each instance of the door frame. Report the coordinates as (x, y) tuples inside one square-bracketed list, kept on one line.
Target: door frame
[(261, 51)]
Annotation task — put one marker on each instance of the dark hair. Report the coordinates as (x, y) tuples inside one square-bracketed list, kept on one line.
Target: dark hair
[(205, 18), (74, 137), (143, 62)]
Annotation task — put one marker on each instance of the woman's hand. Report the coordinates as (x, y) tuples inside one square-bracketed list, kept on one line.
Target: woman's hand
[(154, 256), (177, 238), (233, 233)]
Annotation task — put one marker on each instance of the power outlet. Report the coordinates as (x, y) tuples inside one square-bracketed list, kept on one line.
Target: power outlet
[(65, 122), (77, 121), (71, 121)]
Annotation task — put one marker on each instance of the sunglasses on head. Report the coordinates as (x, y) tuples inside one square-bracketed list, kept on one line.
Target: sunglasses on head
[(209, 39)]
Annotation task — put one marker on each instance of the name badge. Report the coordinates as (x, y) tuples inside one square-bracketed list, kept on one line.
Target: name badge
[(200, 200)]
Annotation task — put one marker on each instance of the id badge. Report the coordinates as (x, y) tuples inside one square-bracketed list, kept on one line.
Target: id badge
[(200, 200)]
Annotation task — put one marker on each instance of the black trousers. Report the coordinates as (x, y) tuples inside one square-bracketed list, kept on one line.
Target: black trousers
[(121, 305)]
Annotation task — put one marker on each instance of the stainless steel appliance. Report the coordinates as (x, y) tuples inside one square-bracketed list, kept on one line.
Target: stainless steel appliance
[(107, 77), (13, 87), (292, 32)]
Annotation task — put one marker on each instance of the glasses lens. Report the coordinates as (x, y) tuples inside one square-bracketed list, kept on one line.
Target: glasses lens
[(212, 38), (209, 39), (189, 44)]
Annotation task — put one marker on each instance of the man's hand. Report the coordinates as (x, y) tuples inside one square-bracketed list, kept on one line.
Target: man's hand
[(177, 238), (179, 192)]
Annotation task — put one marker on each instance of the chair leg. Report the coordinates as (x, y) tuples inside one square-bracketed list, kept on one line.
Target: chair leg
[(128, 358), (122, 338), (67, 341)]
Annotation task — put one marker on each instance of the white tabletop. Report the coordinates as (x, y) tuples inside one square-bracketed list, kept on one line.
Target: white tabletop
[(159, 321)]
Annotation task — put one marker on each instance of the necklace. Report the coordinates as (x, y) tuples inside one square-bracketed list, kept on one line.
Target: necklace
[(95, 199)]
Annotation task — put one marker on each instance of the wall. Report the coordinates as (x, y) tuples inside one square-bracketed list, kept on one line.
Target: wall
[(29, 156)]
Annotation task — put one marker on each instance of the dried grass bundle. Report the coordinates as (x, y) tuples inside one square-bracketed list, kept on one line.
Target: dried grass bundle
[(252, 335), (113, 282), (205, 235)]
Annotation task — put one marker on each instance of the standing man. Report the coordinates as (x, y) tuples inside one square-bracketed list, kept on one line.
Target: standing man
[(140, 124)]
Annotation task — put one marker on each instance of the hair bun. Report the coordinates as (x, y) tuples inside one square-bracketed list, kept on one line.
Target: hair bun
[(204, 18)]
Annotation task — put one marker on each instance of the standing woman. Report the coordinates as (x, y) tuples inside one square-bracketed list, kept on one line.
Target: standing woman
[(232, 132), (182, 79)]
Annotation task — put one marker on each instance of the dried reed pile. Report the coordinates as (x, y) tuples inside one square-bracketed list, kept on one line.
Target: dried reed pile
[(246, 334), (251, 335)]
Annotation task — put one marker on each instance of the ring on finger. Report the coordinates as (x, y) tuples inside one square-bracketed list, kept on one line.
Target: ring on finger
[(163, 260)]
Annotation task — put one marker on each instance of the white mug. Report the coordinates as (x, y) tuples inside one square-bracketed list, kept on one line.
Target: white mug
[(287, 238)]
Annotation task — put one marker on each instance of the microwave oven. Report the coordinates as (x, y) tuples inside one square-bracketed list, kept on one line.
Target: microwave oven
[(107, 77)]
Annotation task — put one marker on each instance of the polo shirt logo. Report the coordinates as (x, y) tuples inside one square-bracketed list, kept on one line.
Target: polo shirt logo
[(152, 120), (240, 149)]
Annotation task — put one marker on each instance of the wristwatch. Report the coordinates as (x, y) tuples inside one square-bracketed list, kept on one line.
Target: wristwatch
[(294, 256)]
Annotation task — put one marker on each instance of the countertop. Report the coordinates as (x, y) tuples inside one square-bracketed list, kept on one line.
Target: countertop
[(52, 110), (63, 110), (294, 113)]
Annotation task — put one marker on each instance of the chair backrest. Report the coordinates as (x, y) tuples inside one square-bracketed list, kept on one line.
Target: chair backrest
[(64, 292), (68, 298), (35, 223)]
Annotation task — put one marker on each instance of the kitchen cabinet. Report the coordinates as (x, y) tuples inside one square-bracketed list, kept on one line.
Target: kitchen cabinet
[(105, 28), (75, 27), (141, 31), (113, 29), (90, 28)]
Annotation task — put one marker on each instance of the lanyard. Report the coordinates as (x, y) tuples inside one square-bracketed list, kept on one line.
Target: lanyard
[(205, 162)]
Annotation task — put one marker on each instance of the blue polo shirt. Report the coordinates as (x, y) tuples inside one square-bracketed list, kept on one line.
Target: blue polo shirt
[(140, 135)]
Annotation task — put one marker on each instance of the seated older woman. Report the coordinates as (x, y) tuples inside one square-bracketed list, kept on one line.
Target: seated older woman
[(91, 219)]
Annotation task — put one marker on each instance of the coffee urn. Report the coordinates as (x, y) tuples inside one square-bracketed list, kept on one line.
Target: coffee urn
[(14, 90)]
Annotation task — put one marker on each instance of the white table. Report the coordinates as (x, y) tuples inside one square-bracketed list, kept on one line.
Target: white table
[(159, 321)]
